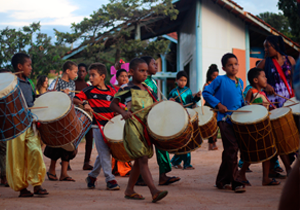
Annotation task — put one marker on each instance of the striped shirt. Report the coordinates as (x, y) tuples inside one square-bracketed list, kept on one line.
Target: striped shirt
[(99, 100)]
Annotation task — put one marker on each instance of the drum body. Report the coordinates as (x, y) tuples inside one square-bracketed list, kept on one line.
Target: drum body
[(295, 106), (207, 122), (86, 122), (59, 124), (169, 126), (15, 118), (285, 131), (113, 133), (254, 133), (196, 139)]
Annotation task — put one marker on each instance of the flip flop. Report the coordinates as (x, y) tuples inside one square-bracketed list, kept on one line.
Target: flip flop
[(26, 194), (41, 192), (158, 196), (273, 182), (51, 179), (133, 196), (189, 168), (68, 179), (246, 183), (178, 167), (171, 180)]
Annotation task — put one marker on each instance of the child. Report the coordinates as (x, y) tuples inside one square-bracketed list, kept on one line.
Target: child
[(224, 93), (258, 81), (66, 84), (118, 167), (185, 98), (80, 84), (162, 157), (136, 143), (97, 98), (42, 85), (24, 157), (211, 74)]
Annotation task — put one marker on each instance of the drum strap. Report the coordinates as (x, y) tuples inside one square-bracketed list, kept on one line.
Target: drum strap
[(179, 96), (152, 96)]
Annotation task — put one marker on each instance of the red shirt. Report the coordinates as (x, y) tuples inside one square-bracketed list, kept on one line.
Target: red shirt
[(99, 100)]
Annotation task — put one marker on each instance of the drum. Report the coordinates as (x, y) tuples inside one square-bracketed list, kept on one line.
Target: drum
[(59, 124), (169, 126), (113, 133), (15, 118), (196, 140), (86, 121), (295, 110), (254, 133), (285, 130), (207, 122)]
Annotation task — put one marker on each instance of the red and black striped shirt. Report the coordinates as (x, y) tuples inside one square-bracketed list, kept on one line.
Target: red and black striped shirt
[(99, 100)]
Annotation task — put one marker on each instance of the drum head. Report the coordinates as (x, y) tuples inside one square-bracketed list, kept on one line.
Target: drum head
[(258, 113), (280, 112), (206, 117), (114, 131), (167, 118), (295, 108), (192, 114), (58, 105), (8, 82)]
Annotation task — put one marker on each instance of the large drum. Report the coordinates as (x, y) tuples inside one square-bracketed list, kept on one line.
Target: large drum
[(294, 104), (196, 140), (285, 130), (254, 132), (113, 133), (169, 126), (86, 121), (59, 124), (15, 118), (207, 122)]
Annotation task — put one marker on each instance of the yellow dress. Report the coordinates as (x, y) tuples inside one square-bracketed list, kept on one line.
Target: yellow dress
[(134, 141)]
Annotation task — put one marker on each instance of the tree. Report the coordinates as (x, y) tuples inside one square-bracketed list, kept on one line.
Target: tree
[(278, 21), (45, 56), (109, 32), (289, 9)]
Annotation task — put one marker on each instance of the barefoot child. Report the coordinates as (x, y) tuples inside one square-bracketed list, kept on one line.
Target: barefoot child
[(136, 143), (24, 157), (66, 84), (258, 81), (224, 93), (185, 98), (97, 98)]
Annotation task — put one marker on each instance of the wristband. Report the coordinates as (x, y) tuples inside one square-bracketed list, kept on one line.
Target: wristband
[(84, 103)]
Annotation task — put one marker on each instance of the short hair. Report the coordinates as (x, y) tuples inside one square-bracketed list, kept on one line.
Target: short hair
[(135, 62), (119, 72), (181, 74), (82, 65), (99, 67), (147, 59), (4, 71), (212, 68), (68, 65), (19, 58), (253, 73), (226, 57)]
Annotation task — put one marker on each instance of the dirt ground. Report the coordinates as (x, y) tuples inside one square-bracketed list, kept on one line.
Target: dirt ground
[(195, 190)]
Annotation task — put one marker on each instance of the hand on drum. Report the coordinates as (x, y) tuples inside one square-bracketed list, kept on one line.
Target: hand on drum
[(87, 108), (126, 115), (223, 109), (67, 91), (199, 94), (270, 90)]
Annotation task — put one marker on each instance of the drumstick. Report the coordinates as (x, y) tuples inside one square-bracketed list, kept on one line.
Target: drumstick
[(266, 103), (283, 97), (291, 104), (72, 91), (41, 107), (180, 94), (241, 111), (202, 109), (100, 115), (55, 83), (20, 72), (188, 104), (138, 111), (159, 90), (254, 97)]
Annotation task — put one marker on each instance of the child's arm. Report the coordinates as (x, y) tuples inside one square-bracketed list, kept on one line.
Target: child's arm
[(249, 96), (209, 92), (114, 105), (80, 99)]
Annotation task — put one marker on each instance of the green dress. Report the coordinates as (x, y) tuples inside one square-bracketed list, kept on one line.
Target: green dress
[(135, 143), (162, 157)]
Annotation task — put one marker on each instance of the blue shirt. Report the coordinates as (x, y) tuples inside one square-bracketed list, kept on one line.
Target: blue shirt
[(186, 97), (225, 91)]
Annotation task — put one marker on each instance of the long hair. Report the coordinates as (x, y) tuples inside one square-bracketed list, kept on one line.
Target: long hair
[(213, 68), (40, 82)]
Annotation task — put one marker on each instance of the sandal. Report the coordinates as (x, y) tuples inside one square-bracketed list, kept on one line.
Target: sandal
[(247, 183), (67, 179), (189, 168), (273, 182), (53, 175), (25, 193), (178, 167), (135, 196), (240, 189), (41, 191), (170, 180), (158, 196)]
